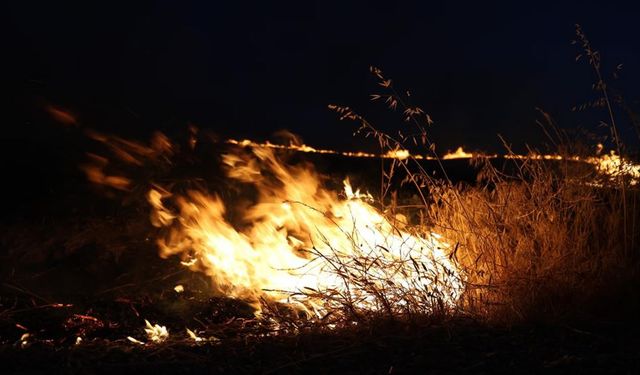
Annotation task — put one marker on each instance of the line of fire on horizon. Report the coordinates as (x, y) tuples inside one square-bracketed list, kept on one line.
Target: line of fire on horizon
[(606, 163)]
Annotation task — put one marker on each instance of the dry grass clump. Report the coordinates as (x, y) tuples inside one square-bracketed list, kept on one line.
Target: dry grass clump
[(533, 239), (535, 245)]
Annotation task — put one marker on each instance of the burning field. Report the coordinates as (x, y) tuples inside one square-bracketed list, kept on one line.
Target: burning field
[(231, 187), (189, 251), (269, 248)]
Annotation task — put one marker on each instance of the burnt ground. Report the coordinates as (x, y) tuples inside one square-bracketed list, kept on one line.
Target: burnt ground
[(75, 264)]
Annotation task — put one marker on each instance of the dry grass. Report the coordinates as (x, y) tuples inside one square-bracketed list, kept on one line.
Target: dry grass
[(536, 245), (539, 241)]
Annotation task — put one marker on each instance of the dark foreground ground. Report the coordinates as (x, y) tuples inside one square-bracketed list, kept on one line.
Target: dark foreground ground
[(451, 347), (73, 264)]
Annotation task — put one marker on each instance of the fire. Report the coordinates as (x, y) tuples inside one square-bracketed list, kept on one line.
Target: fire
[(458, 154), (611, 165), (400, 155), (300, 148), (301, 242), (614, 166), (298, 241), (155, 332), (61, 115)]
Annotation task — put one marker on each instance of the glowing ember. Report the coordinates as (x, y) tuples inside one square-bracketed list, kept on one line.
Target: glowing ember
[(193, 336), (135, 341), (24, 340), (156, 332)]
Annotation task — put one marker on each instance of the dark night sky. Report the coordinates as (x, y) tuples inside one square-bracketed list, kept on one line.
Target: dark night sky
[(249, 69)]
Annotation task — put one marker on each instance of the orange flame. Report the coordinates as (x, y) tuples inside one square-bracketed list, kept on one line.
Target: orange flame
[(609, 165), (299, 241), (62, 116), (299, 237), (458, 154), (614, 166)]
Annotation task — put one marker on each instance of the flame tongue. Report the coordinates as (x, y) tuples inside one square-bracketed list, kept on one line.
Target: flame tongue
[(300, 237)]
